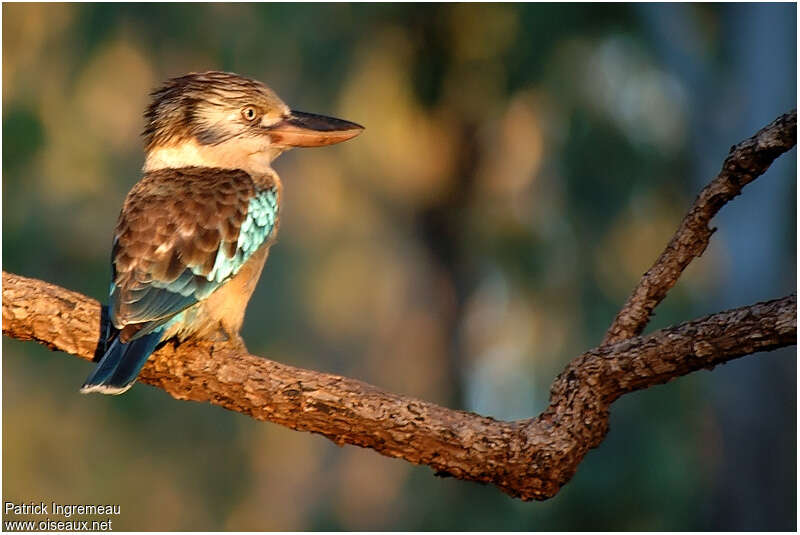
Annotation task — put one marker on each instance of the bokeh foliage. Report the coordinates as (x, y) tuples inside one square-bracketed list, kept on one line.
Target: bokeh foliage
[(522, 166)]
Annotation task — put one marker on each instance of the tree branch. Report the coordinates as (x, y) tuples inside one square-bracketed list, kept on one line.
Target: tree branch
[(530, 459), (745, 162)]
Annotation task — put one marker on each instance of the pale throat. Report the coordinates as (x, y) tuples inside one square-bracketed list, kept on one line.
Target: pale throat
[(250, 155)]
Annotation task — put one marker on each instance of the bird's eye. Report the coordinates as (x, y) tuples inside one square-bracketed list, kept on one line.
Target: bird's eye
[(249, 113)]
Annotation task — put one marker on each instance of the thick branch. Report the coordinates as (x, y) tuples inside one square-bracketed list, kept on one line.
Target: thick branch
[(745, 162), (530, 459)]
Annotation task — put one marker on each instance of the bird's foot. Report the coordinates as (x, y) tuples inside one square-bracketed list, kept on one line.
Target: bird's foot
[(223, 336)]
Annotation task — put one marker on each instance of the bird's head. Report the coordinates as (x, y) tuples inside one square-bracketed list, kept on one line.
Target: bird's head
[(219, 119)]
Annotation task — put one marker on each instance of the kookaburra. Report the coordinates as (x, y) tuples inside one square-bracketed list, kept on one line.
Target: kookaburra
[(195, 231)]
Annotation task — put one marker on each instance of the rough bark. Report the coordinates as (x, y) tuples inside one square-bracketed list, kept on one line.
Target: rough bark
[(745, 162), (529, 459)]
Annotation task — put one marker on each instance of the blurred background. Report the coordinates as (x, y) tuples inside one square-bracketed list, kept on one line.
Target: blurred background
[(522, 166)]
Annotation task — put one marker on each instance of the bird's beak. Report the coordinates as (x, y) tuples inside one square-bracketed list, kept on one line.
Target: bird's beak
[(302, 129)]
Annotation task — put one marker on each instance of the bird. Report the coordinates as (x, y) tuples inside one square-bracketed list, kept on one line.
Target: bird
[(194, 233)]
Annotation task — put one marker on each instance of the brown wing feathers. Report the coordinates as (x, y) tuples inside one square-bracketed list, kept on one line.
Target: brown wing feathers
[(174, 221)]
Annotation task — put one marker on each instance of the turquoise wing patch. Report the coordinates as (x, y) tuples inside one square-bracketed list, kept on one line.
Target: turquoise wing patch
[(262, 212)]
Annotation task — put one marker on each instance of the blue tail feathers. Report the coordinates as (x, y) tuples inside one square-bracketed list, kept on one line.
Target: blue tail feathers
[(121, 363)]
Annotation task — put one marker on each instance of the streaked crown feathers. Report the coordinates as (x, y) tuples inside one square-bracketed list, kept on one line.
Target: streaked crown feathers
[(209, 107)]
